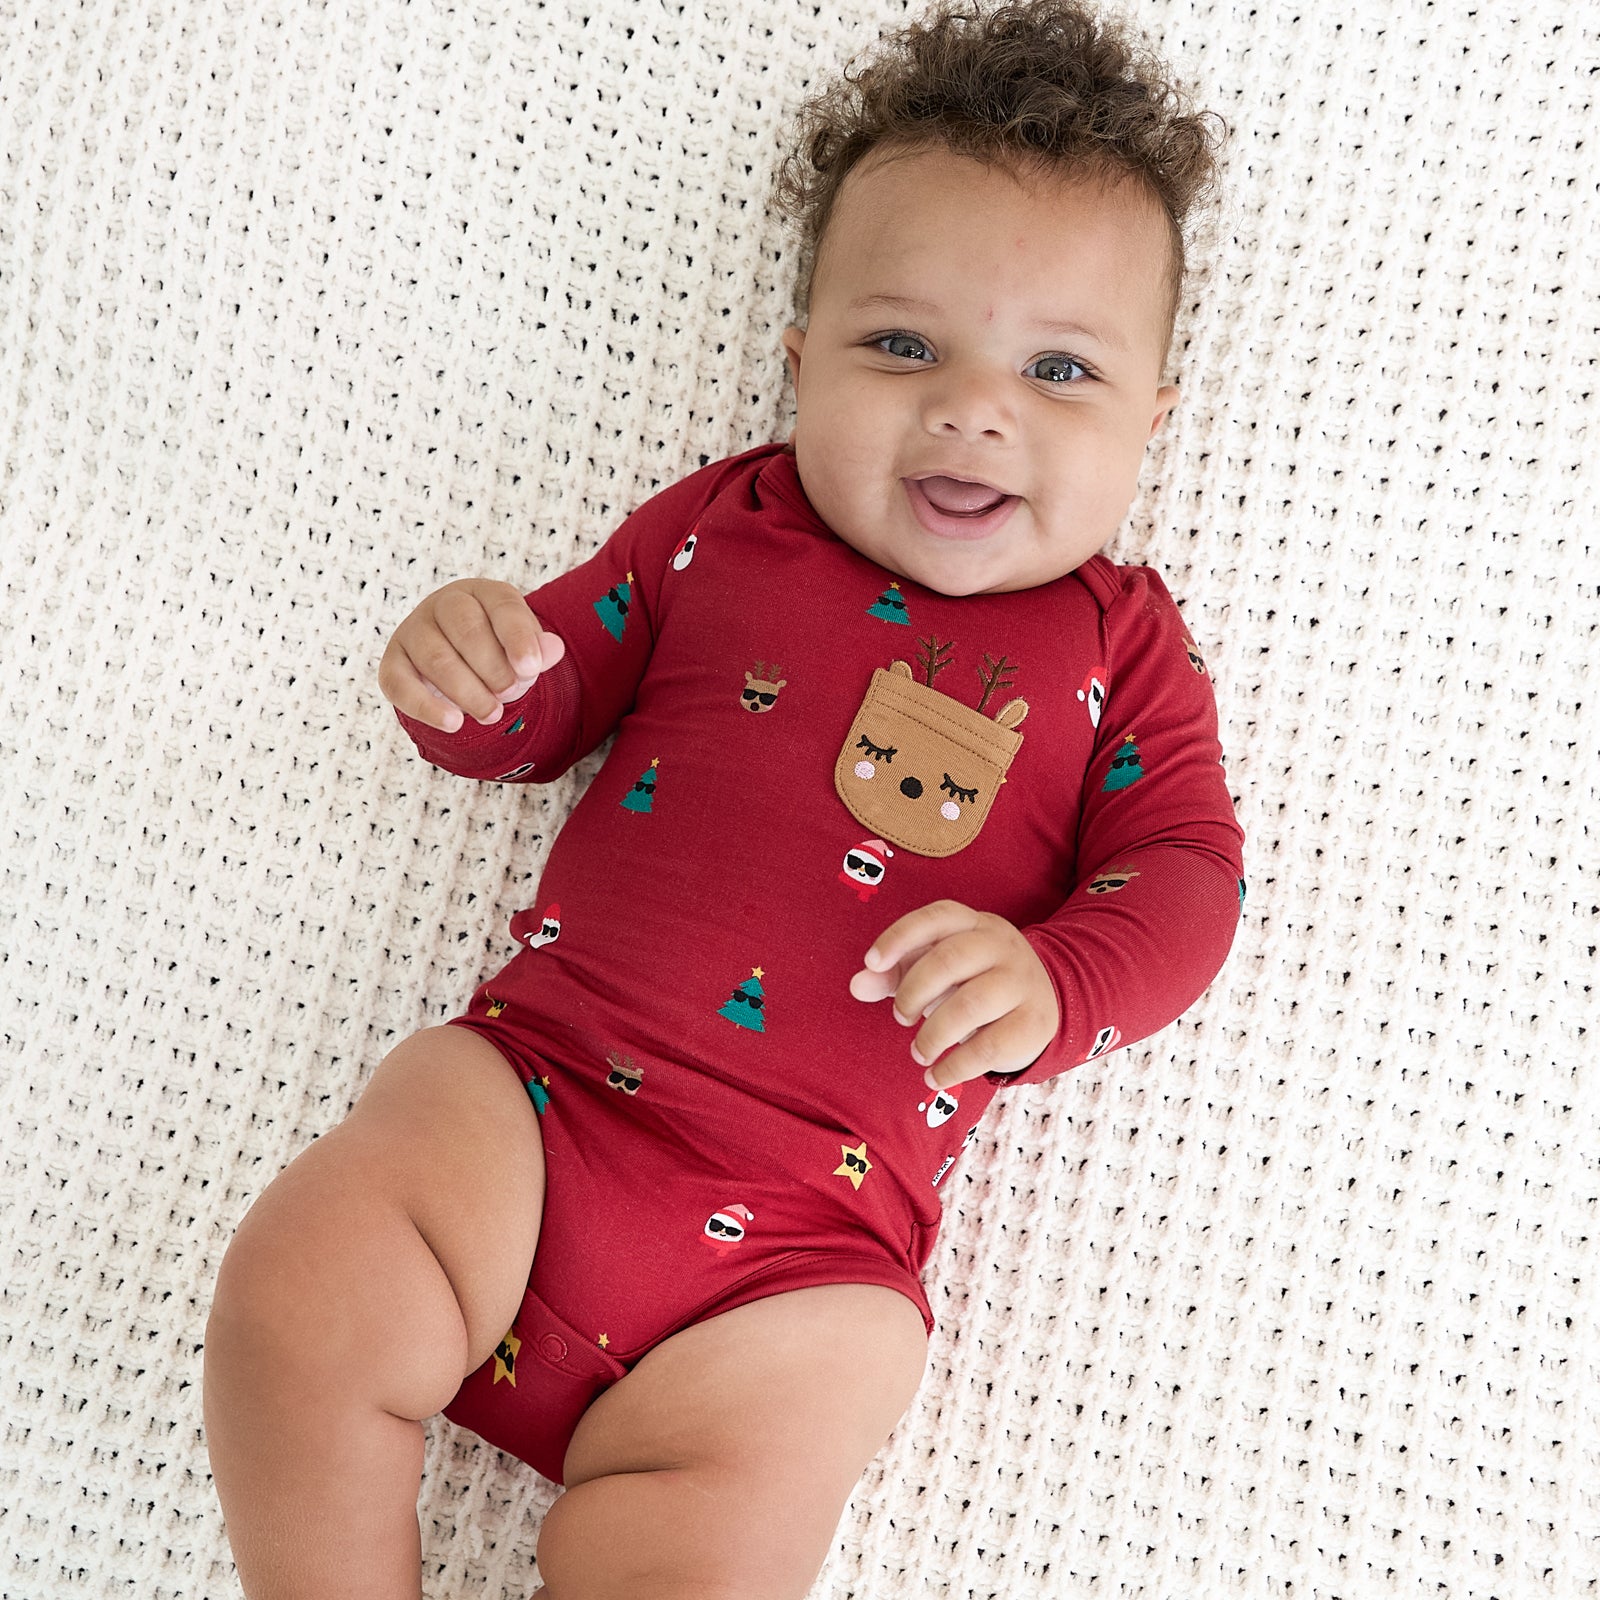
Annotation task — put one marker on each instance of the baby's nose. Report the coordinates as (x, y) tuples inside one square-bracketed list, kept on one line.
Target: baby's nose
[(969, 404)]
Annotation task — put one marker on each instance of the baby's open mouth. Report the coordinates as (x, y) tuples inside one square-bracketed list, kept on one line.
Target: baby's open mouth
[(959, 508), (957, 497)]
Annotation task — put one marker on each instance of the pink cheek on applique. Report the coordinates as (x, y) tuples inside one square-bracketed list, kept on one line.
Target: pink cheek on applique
[(950, 811), (865, 769)]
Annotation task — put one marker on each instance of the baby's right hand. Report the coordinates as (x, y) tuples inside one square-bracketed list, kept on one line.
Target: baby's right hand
[(467, 650)]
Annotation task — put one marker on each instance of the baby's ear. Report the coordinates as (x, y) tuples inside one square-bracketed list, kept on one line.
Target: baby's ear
[(1166, 398), (793, 343)]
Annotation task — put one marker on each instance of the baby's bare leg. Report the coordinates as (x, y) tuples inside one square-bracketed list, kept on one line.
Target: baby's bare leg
[(719, 1467), (379, 1269)]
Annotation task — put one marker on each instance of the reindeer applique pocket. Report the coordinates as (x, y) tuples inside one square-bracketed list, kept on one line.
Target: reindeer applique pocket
[(920, 769)]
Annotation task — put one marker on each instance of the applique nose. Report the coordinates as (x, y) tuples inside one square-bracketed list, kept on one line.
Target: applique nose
[(920, 730)]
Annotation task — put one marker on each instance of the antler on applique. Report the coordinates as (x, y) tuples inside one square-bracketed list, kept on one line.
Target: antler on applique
[(934, 656), (990, 675)]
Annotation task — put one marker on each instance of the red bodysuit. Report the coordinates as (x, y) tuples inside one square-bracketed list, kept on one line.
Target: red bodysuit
[(722, 1120)]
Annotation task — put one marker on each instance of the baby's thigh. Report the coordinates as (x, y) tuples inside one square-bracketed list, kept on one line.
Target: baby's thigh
[(722, 1462), (408, 1230), (448, 1131)]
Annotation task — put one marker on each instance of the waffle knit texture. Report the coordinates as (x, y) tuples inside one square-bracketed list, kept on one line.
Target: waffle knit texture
[(306, 310)]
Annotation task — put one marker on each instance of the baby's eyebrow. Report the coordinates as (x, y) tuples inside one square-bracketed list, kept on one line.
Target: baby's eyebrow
[(1076, 330), (1062, 326), (891, 302)]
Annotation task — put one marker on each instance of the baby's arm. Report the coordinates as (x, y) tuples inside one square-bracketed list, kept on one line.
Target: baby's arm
[(493, 684), (1160, 869), (1153, 912)]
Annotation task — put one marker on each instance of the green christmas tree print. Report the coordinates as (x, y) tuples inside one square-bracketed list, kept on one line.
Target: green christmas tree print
[(890, 606), (745, 1005), (1125, 769), (641, 797), (612, 607)]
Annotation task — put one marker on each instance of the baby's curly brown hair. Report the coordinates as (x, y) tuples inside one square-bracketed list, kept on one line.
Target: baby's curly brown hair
[(1041, 85)]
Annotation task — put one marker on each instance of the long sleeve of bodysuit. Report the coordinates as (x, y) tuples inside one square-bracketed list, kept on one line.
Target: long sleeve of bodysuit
[(571, 708), (1159, 865)]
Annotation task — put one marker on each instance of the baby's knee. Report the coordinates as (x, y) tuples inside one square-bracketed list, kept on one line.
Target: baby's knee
[(258, 1336), (325, 1288), (679, 1533)]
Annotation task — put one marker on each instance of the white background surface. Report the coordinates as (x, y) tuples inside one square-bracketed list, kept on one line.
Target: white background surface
[(305, 309)]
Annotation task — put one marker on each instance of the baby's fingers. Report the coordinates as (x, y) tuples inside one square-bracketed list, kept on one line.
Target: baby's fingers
[(407, 690), (899, 946), (528, 648), (870, 986), (439, 679), (963, 1027), (1008, 1044), (929, 977), (459, 648)]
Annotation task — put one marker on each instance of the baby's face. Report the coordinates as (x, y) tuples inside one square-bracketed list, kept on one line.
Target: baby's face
[(982, 368)]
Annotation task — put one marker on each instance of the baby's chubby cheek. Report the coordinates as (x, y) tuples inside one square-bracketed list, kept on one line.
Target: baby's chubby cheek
[(848, 493)]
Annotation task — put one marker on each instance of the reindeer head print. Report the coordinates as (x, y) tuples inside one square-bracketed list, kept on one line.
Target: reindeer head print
[(761, 688), (921, 769)]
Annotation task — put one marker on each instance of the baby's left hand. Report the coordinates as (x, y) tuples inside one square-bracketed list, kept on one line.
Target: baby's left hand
[(975, 980)]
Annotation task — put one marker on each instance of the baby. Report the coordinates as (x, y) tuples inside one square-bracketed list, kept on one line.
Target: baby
[(651, 1214)]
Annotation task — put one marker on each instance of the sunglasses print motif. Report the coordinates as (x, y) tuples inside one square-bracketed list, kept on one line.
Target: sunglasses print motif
[(726, 1228), (1125, 769), (855, 1165), (747, 1003), (612, 607), (760, 692), (623, 1074)]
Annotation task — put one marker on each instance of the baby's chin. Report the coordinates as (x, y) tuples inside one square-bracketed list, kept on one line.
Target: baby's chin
[(1001, 578), (954, 580), (1021, 558), (958, 571)]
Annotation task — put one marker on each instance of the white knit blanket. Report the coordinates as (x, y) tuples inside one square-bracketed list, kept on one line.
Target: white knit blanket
[(308, 308)]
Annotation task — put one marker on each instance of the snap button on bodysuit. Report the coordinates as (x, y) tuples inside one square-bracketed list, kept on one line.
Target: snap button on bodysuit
[(553, 1347)]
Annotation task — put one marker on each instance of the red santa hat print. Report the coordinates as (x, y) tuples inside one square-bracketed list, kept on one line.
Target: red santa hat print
[(864, 867)]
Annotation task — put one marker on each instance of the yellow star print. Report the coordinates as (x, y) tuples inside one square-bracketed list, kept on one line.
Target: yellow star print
[(505, 1360), (605, 1343), (855, 1165)]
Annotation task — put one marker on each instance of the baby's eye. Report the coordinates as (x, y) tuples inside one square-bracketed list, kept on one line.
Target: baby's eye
[(1057, 369), (907, 345), (956, 792), (864, 743)]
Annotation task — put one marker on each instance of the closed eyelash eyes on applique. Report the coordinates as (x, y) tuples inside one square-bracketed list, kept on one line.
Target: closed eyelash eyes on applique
[(929, 728)]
